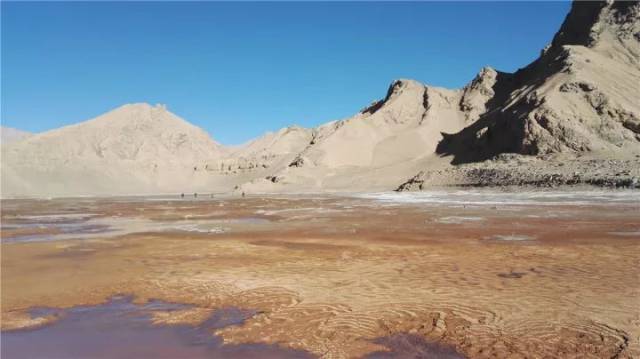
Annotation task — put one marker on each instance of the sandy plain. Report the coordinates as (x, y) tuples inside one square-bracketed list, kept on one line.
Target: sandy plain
[(536, 275)]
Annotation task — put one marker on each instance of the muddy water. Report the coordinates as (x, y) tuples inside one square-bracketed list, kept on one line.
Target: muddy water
[(489, 274), (121, 329), (72, 226), (406, 346)]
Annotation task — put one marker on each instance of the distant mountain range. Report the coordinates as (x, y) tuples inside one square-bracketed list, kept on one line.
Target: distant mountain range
[(580, 98)]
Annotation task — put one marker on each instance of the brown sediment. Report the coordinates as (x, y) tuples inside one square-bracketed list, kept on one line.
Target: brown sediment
[(412, 346), (332, 282), (8, 233)]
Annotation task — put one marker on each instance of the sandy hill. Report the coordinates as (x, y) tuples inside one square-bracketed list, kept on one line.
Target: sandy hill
[(8, 135), (574, 113), (384, 140), (136, 148), (581, 97)]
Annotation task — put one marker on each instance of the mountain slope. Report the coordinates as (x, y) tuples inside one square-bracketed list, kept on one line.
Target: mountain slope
[(383, 143), (578, 102), (273, 150), (135, 148), (8, 135), (581, 95), (404, 125)]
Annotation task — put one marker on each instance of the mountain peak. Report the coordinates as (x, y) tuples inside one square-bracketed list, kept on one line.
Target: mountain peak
[(400, 85), (139, 116), (578, 26), (477, 94), (395, 90), (140, 108), (487, 71), (592, 24), (579, 96)]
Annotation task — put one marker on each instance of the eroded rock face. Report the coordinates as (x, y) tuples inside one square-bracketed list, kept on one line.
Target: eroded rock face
[(482, 94), (581, 95), (274, 150), (538, 171)]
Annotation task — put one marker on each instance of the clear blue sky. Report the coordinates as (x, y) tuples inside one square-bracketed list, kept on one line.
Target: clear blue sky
[(240, 69)]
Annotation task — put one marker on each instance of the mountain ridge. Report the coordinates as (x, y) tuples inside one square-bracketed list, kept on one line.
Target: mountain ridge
[(580, 97), (9, 134)]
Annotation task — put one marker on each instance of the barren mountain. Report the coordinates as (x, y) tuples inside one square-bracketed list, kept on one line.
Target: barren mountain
[(272, 151), (577, 104), (581, 95), (135, 148), (9, 135), (576, 109), (384, 142)]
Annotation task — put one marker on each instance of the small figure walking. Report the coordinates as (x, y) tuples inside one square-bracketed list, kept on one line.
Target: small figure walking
[(195, 195), (242, 194), (182, 195)]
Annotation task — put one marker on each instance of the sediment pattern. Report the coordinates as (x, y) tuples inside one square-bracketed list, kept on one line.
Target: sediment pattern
[(323, 277)]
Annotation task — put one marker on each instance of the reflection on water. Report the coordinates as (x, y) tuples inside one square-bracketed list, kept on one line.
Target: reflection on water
[(60, 227), (201, 228), (441, 211), (493, 197), (458, 219), (510, 237), (630, 233), (121, 329)]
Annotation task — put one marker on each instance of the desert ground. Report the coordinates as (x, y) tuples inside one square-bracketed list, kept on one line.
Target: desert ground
[(450, 274)]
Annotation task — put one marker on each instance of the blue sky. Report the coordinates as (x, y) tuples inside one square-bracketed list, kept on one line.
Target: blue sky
[(240, 69)]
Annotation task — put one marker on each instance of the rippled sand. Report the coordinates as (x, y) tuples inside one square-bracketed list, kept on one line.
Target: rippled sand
[(482, 274)]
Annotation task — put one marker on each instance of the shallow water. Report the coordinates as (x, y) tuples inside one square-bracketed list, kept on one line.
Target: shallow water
[(511, 237), (121, 329), (463, 256), (458, 219), (41, 228), (215, 217), (406, 346)]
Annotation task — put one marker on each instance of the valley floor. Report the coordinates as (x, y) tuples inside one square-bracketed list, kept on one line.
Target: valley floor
[(476, 273)]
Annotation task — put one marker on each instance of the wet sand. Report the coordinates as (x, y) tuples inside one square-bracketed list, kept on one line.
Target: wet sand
[(462, 276)]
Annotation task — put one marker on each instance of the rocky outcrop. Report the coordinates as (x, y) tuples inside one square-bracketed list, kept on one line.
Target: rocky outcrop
[(274, 151), (482, 94), (543, 171), (581, 95)]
